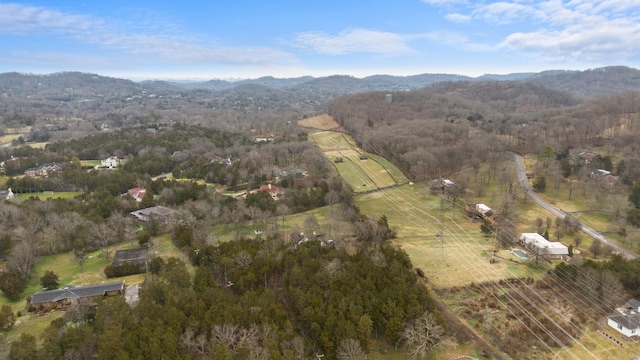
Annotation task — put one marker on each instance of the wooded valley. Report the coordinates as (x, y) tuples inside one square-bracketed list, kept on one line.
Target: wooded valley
[(272, 255)]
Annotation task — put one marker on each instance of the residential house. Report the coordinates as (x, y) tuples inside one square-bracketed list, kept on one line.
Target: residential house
[(264, 139), (587, 155), (110, 162), (7, 194), (273, 190), (160, 212), (626, 324), (69, 295), (43, 170), (483, 211), (442, 184), (537, 243), (137, 193), (604, 178)]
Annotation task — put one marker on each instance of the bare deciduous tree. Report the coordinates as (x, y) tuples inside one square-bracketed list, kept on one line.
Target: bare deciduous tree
[(103, 236), (421, 335), (350, 349), (23, 257), (296, 345)]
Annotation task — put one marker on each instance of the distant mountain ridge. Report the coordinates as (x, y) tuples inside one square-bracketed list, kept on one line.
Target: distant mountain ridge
[(70, 86)]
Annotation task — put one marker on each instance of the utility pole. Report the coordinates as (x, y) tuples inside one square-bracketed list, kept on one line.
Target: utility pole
[(441, 231)]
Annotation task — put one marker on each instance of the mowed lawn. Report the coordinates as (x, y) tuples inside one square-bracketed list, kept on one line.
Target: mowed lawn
[(459, 256), (49, 195), (361, 174), (71, 272)]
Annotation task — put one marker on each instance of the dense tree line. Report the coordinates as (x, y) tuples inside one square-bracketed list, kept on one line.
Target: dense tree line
[(248, 299)]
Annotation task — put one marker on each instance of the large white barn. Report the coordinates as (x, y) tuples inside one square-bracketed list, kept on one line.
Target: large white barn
[(536, 241)]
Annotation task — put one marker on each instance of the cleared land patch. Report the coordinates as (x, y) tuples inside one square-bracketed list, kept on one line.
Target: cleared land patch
[(362, 171), (320, 122)]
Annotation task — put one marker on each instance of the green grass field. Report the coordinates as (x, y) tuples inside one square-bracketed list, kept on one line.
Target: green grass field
[(85, 163), (49, 195), (361, 174)]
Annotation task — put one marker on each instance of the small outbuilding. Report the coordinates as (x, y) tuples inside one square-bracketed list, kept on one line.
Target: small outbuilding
[(633, 305)]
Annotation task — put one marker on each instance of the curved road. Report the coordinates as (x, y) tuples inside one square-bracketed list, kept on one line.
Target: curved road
[(522, 179)]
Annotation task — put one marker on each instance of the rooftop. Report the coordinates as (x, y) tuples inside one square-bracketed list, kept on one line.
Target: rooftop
[(75, 292)]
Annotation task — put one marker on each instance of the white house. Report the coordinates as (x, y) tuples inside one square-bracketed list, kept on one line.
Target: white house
[(628, 324), (110, 162), (484, 210), (7, 194), (537, 241)]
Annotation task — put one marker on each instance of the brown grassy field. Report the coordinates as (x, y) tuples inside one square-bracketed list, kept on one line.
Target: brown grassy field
[(320, 122), (460, 256)]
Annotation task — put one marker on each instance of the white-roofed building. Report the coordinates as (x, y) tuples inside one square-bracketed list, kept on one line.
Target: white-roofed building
[(538, 243)]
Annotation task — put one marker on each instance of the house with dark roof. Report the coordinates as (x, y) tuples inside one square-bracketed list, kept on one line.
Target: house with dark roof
[(60, 299), (160, 212), (627, 324)]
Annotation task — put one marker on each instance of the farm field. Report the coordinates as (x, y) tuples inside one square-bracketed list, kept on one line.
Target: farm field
[(460, 256), (370, 173), (5, 140)]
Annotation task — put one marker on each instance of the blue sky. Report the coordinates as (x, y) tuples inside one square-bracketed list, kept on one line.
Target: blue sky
[(225, 39)]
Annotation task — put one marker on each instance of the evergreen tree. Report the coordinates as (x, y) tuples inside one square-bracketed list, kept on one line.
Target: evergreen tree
[(49, 280)]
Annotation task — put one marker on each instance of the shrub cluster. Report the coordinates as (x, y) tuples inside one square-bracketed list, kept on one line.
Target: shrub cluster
[(123, 270)]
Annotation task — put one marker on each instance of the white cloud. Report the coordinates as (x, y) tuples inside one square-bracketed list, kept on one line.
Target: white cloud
[(18, 19), (22, 19), (505, 12), (575, 30), (354, 41), (444, 2), (615, 39), (458, 18)]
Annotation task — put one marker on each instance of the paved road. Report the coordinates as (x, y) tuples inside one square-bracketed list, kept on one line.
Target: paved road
[(522, 179)]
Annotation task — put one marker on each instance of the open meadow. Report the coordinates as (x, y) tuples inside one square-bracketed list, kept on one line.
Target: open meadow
[(439, 239), (320, 122), (45, 195)]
